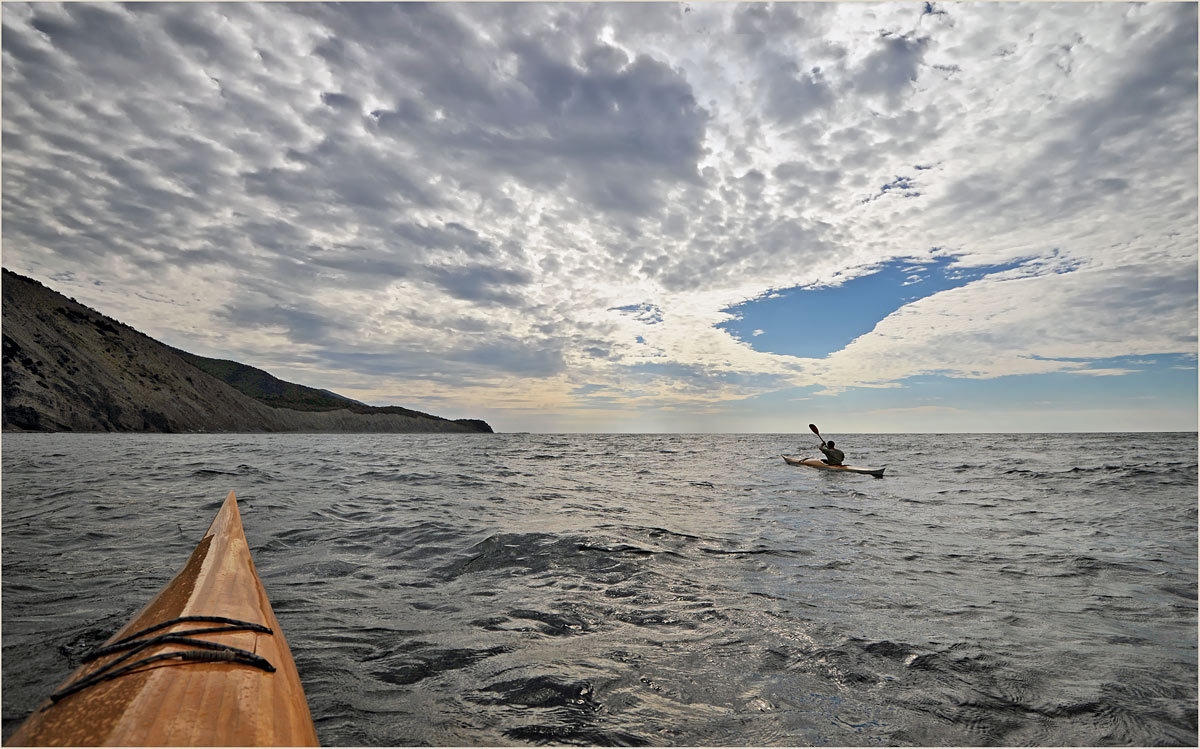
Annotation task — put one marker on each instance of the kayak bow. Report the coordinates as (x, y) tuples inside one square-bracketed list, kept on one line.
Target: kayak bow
[(205, 663), (817, 463)]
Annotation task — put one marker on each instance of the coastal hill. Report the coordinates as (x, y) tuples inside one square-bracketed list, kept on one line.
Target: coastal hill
[(69, 368)]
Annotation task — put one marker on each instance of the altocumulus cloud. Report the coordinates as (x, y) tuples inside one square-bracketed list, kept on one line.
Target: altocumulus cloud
[(532, 203)]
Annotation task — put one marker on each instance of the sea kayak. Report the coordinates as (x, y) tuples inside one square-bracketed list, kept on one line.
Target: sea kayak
[(816, 463), (203, 664)]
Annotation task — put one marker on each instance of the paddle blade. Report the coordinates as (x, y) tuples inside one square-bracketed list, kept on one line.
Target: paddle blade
[(813, 427)]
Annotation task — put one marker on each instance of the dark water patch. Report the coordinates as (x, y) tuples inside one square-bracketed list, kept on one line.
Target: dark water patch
[(533, 553), (661, 538), (399, 477), (556, 710), (572, 735), (618, 549), (410, 670), (204, 473), (1186, 593), (752, 552), (299, 536), (555, 624), (655, 618), (621, 592), (82, 644), (542, 691), (241, 471), (961, 659), (323, 570)]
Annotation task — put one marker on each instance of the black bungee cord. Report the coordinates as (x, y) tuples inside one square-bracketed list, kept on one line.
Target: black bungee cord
[(204, 651)]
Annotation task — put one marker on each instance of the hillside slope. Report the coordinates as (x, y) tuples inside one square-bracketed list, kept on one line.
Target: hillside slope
[(67, 367), (265, 387)]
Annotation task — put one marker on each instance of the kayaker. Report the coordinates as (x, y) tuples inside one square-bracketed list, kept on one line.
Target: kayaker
[(833, 456)]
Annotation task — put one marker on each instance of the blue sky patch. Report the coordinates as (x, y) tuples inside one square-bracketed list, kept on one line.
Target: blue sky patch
[(1158, 380), (814, 322), (1139, 362)]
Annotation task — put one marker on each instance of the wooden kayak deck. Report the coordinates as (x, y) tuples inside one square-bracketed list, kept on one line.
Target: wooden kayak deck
[(177, 702)]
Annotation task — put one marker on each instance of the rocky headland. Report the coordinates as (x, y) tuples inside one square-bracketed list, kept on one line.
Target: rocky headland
[(68, 368)]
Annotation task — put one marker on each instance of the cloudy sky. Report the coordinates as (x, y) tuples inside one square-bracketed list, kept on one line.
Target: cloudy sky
[(632, 217)]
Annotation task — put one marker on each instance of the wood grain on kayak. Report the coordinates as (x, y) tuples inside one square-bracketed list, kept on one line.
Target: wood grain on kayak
[(174, 703)]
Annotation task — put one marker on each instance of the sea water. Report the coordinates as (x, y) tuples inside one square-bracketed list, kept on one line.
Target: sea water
[(648, 589)]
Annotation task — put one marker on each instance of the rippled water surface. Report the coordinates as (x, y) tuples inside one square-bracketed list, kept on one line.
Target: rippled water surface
[(648, 589)]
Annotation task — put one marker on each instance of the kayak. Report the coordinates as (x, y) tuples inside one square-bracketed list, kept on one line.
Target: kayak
[(816, 463), (203, 664)]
